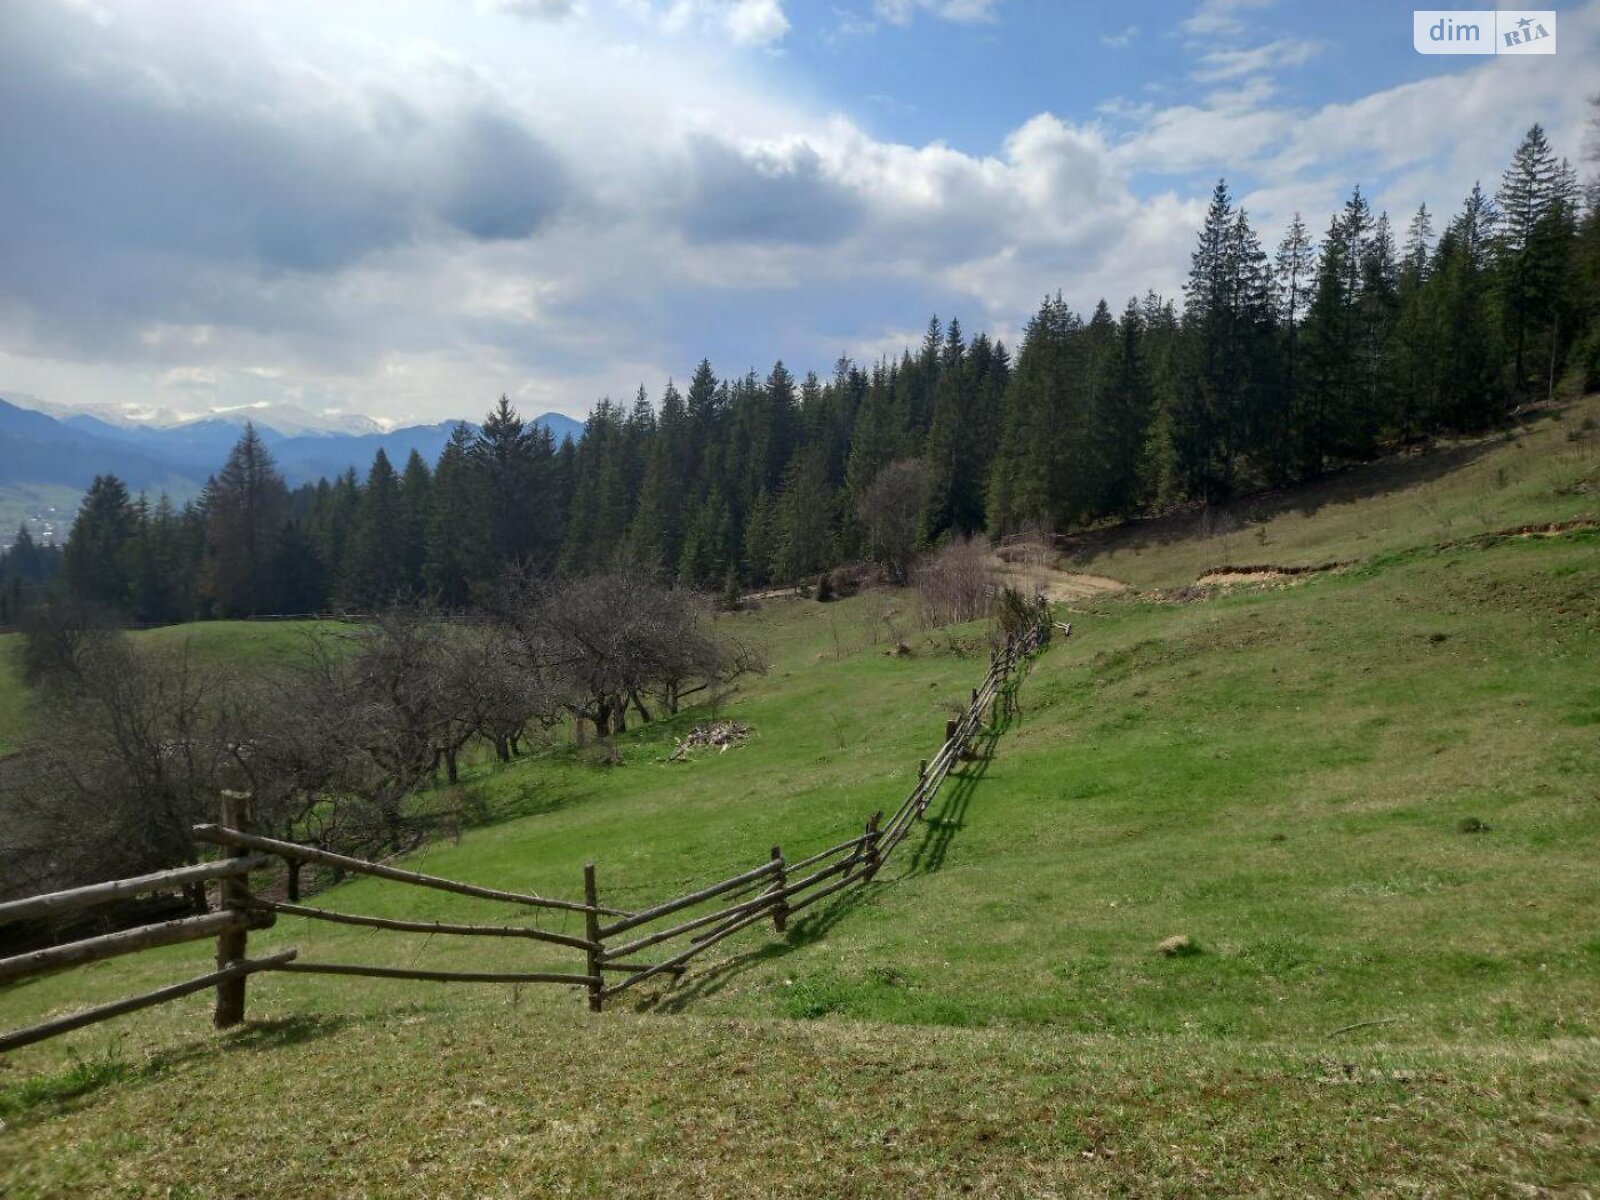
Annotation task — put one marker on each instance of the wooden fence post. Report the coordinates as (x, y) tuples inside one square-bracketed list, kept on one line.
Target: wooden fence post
[(591, 923), (873, 861), (922, 788), (238, 812), (780, 880)]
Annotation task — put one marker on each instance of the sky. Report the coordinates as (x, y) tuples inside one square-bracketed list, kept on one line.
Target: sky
[(405, 210)]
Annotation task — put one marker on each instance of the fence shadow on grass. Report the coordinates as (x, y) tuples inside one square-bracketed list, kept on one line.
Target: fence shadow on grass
[(951, 816), (812, 927), (928, 857), (287, 1031)]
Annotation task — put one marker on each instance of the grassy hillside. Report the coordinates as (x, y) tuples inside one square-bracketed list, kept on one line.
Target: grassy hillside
[(1545, 469), (1369, 800)]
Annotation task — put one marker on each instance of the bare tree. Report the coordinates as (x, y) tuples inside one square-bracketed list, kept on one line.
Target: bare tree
[(891, 508), (618, 641), (59, 638), (152, 743)]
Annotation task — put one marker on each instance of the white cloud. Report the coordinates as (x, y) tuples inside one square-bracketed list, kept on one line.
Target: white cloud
[(1118, 41), (1222, 64), (756, 22), (538, 10), (744, 22), (900, 12), (529, 209), (1221, 17)]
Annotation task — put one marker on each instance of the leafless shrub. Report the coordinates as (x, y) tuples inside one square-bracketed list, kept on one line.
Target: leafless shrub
[(954, 584), (1033, 546), (882, 618)]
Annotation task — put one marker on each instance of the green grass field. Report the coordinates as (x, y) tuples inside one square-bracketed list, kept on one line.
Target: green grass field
[(1382, 1003), (1547, 469)]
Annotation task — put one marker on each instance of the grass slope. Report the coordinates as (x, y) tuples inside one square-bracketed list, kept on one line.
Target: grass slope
[(1281, 774), (239, 645), (1545, 469)]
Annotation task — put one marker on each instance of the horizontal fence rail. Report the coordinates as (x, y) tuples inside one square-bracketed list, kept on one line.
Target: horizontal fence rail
[(175, 991), (127, 941), (56, 903), (220, 835), (775, 890)]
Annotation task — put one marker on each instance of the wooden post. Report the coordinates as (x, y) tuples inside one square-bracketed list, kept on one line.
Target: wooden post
[(922, 788), (591, 923), (949, 730), (780, 880), (238, 812), (871, 845)]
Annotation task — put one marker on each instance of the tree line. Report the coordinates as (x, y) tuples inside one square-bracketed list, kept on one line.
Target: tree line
[(1274, 367)]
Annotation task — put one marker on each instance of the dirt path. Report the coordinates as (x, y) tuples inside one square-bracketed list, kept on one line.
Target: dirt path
[(1059, 586)]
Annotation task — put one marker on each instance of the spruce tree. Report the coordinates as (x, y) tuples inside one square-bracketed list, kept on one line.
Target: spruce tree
[(1293, 277), (455, 544), (657, 532), (876, 439), (708, 555), (1226, 397), (757, 549), (1533, 242), (503, 459), (302, 579), (1415, 353), (416, 497), (802, 527), (95, 564), (247, 504), (1127, 412), (374, 567), (1470, 392)]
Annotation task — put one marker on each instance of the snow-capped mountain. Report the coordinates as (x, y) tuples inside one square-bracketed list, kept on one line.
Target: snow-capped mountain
[(58, 449), (290, 420)]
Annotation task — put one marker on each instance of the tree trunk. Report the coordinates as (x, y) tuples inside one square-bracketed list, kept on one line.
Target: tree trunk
[(293, 865), (450, 766)]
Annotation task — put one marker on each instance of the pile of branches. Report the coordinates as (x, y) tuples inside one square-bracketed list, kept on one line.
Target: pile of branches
[(720, 734)]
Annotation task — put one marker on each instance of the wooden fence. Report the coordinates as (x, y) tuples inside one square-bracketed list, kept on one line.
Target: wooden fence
[(612, 941)]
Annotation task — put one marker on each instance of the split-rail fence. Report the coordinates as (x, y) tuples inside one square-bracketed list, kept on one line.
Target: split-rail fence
[(613, 942)]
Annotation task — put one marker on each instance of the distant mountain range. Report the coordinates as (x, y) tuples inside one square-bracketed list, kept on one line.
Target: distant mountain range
[(45, 448)]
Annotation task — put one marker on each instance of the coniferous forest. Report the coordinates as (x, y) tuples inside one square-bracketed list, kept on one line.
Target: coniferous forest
[(1277, 364)]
